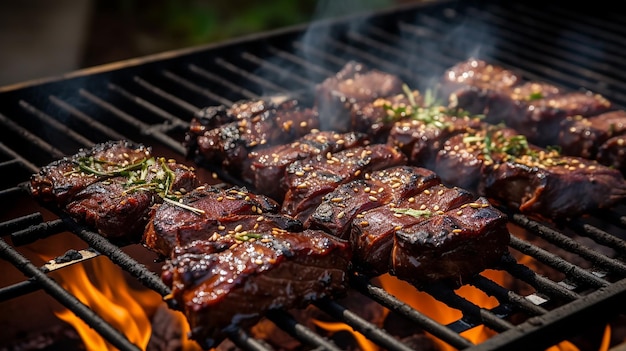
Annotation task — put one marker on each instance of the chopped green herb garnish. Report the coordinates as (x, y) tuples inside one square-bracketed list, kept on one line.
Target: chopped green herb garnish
[(535, 96), (493, 143), (137, 179), (431, 112)]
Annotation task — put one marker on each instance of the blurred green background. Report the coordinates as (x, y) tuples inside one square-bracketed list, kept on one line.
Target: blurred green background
[(131, 28), (47, 38)]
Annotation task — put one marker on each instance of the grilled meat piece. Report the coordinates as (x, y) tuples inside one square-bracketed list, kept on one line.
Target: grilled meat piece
[(540, 120), (372, 231), (371, 213), (596, 137), (60, 180), (535, 109), (451, 246), (309, 179), (221, 290), (227, 146), (207, 210), (421, 139), (482, 158), (354, 83), (118, 207), (473, 83), (267, 167), (534, 180), (112, 186), (339, 207)]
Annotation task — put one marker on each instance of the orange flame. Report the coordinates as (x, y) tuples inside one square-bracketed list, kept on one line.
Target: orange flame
[(124, 308), (364, 343), (439, 311)]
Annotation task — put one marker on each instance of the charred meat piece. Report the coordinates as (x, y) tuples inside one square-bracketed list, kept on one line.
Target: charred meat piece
[(267, 166), (596, 137), (535, 109), (452, 223), (392, 185), (308, 180), (372, 231), (473, 83), (59, 181), (483, 157), (221, 290), (226, 146), (112, 187), (354, 83), (212, 117), (450, 246), (420, 139), (120, 206), (539, 181), (203, 213), (540, 120)]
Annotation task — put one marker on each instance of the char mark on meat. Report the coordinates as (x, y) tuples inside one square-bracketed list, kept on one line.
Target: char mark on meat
[(308, 180), (267, 166), (221, 290)]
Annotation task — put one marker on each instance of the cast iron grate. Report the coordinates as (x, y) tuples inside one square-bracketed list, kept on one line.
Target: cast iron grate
[(153, 100)]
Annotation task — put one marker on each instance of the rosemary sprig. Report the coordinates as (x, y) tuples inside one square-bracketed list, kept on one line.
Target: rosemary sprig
[(97, 167), (136, 176), (413, 212)]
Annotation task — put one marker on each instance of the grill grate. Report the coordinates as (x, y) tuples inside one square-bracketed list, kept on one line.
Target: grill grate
[(152, 100)]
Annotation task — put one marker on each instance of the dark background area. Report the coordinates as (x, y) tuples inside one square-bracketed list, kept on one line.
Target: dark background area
[(45, 38)]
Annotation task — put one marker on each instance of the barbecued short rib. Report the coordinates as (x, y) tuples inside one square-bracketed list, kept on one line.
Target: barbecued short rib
[(266, 169), (598, 137), (535, 109), (339, 207), (112, 186), (207, 212), (372, 212), (355, 82), (536, 181), (473, 83), (255, 125), (309, 179), (222, 288), (420, 140), (60, 180), (452, 246)]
